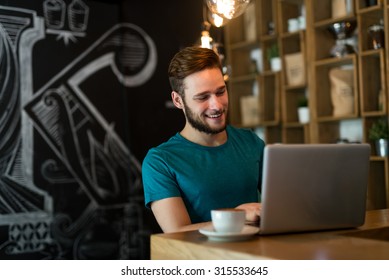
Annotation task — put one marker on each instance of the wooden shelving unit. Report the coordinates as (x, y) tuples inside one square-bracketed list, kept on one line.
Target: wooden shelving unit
[(292, 43), (252, 79), (276, 99)]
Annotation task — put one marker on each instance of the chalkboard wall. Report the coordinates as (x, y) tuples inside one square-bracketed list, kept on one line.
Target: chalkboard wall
[(83, 95)]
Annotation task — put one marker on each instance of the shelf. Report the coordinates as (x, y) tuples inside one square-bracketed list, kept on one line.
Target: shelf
[(373, 114), (322, 13), (369, 10), (377, 158), (294, 125), (243, 28), (295, 87), (336, 61), (377, 196), (363, 8), (363, 84), (267, 16), (327, 22), (371, 52), (365, 20), (244, 45), (326, 119), (245, 78), (341, 101), (242, 63), (270, 98), (372, 82), (295, 134), (265, 38), (295, 34)]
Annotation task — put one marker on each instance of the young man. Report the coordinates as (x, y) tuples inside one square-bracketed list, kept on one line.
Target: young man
[(209, 164)]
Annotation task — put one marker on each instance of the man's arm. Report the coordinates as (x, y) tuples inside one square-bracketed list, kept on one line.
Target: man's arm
[(172, 216)]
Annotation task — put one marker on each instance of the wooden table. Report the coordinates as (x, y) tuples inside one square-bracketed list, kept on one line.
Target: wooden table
[(371, 241)]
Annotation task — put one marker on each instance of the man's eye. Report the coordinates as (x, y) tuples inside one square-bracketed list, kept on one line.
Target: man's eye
[(202, 98)]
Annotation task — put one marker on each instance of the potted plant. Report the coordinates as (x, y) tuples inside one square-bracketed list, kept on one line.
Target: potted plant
[(379, 133), (273, 57), (303, 109)]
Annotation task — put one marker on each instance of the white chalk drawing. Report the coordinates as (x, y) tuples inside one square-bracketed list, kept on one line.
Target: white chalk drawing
[(54, 12), (87, 160), (78, 13), (55, 19)]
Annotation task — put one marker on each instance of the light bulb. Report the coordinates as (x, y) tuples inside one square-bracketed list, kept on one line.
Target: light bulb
[(228, 9), (206, 40), (216, 20)]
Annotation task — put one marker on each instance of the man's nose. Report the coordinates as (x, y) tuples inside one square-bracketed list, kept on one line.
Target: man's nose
[(215, 102)]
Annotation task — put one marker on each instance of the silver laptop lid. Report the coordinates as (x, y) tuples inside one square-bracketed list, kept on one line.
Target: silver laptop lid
[(314, 187)]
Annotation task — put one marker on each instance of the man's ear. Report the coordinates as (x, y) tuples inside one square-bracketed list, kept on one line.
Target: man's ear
[(177, 100)]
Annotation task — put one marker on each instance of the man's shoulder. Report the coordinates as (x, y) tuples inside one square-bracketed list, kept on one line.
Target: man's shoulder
[(168, 146), (243, 132), (239, 130)]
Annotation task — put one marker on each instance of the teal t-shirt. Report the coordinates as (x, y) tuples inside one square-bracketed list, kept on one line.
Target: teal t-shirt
[(205, 177)]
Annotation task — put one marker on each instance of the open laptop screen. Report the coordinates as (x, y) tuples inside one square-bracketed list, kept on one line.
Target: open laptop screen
[(309, 187)]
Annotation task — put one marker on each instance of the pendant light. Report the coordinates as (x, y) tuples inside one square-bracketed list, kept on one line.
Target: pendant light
[(216, 20), (227, 9), (206, 39)]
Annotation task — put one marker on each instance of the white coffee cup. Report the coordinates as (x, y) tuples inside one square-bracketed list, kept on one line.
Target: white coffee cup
[(228, 220)]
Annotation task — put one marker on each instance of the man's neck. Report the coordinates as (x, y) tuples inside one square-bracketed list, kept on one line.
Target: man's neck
[(202, 138)]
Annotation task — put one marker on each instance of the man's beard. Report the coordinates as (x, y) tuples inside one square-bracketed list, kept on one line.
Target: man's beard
[(200, 125)]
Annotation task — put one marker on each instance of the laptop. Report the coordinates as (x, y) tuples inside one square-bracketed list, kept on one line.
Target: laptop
[(311, 187)]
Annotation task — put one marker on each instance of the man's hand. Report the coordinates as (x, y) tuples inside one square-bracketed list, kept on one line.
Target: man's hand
[(253, 211)]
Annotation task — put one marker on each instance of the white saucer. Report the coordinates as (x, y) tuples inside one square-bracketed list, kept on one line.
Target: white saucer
[(246, 233)]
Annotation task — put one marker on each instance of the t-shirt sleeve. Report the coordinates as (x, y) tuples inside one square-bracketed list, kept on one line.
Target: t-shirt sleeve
[(158, 179)]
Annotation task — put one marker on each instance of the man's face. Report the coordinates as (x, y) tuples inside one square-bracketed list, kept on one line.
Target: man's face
[(206, 101)]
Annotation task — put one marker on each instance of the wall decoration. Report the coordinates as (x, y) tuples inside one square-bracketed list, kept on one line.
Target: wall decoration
[(70, 188)]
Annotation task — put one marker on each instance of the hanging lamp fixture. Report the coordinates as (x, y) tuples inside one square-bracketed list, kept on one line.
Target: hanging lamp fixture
[(227, 9), (215, 19), (206, 39)]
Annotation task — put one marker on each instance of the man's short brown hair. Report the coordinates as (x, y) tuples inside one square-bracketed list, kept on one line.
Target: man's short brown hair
[(188, 61)]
